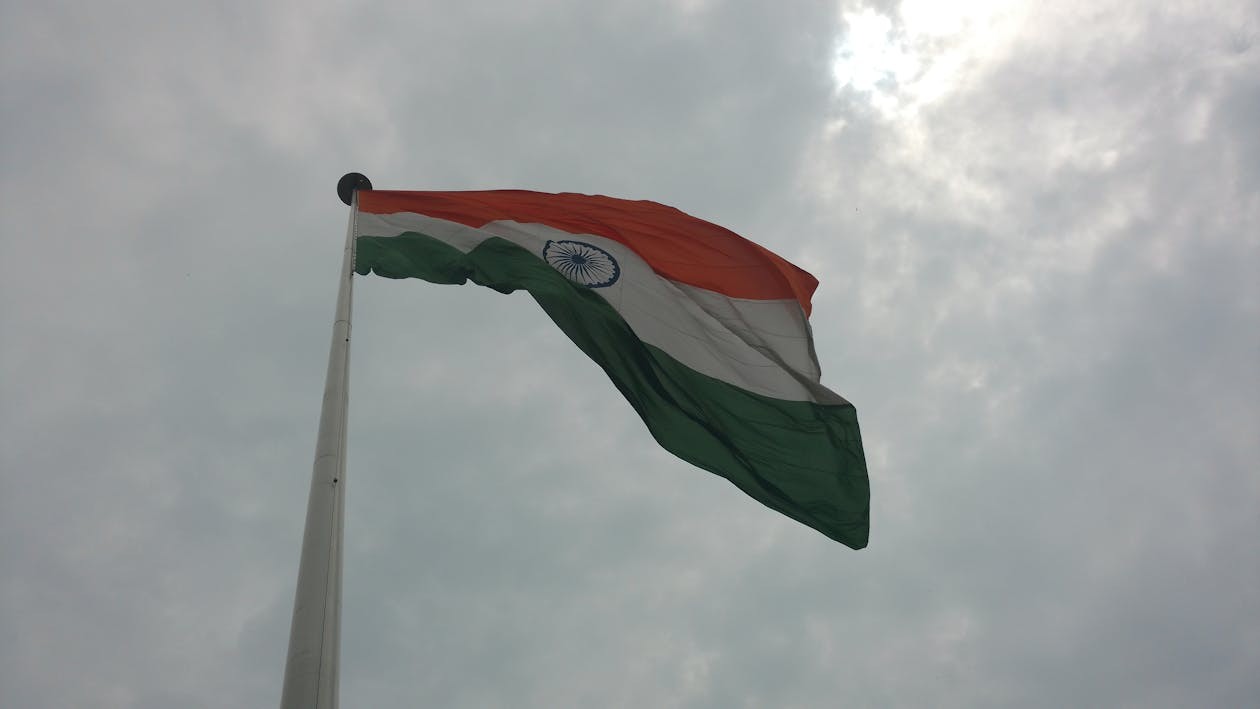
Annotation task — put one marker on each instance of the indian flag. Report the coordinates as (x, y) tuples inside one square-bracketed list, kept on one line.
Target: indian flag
[(705, 333)]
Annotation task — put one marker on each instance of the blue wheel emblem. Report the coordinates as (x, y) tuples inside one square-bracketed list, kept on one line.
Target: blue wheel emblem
[(583, 263)]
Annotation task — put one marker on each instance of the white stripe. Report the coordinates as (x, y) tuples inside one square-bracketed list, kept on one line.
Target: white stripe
[(764, 346)]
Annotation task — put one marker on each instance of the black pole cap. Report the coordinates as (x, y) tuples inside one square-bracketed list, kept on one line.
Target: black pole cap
[(350, 182)]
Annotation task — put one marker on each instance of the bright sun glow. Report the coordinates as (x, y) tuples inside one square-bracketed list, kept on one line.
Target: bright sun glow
[(868, 57), (903, 65)]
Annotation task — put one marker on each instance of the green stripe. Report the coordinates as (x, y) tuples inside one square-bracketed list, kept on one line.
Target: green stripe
[(800, 458)]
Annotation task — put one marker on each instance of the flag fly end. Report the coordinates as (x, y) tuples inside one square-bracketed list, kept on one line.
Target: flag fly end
[(350, 182)]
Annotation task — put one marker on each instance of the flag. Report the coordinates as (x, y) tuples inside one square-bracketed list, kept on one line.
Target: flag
[(705, 333)]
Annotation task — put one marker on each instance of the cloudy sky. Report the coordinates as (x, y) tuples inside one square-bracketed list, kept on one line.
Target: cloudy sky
[(1037, 228)]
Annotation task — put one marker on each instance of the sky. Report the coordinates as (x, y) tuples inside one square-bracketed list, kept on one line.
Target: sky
[(1037, 232)]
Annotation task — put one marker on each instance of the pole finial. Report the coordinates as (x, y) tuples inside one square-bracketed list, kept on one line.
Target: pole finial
[(350, 182)]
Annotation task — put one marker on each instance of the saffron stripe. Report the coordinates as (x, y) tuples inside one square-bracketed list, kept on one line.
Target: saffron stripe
[(676, 245)]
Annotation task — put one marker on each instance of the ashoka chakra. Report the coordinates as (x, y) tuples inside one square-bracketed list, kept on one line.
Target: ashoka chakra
[(583, 263)]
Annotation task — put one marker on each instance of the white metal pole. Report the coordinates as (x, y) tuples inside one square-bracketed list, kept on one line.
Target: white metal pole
[(311, 670)]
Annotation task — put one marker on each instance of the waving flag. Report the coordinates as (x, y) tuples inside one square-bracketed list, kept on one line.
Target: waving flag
[(705, 333)]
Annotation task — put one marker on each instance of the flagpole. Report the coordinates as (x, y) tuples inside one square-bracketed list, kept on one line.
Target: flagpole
[(311, 669)]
